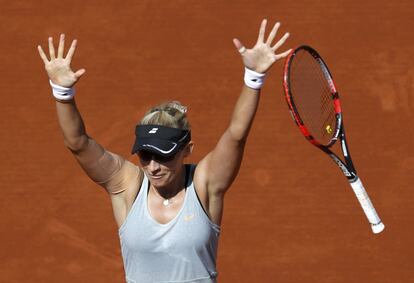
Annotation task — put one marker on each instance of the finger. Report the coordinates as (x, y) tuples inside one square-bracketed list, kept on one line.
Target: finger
[(71, 51), (240, 47), (79, 73), (42, 54), (61, 46), (281, 41), (283, 55), (262, 31), (51, 49), (273, 33)]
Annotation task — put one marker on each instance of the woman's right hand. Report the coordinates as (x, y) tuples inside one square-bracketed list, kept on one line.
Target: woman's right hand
[(58, 67)]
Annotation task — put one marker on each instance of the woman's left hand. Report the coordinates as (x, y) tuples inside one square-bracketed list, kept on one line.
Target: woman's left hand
[(262, 56)]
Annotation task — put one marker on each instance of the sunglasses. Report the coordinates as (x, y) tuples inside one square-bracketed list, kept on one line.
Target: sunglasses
[(147, 156)]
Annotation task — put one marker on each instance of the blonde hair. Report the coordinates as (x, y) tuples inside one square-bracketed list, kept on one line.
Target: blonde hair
[(169, 114)]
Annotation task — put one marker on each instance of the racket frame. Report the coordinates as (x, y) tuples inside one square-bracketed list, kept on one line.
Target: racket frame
[(347, 167)]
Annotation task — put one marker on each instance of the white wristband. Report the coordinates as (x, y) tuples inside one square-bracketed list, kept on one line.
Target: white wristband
[(62, 93), (253, 79)]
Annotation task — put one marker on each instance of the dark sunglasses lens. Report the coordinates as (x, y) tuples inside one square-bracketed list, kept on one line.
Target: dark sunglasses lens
[(163, 159), (145, 156), (148, 156)]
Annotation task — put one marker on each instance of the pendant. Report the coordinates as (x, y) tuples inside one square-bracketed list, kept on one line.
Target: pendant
[(166, 202)]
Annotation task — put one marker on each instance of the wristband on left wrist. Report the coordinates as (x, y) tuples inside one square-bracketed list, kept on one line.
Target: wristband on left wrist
[(253, 79), (62, 93)]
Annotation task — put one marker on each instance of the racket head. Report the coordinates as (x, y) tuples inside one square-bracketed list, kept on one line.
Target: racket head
[(312, 97)]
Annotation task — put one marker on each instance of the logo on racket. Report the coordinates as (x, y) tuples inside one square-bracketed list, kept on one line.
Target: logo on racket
[(329, 129)]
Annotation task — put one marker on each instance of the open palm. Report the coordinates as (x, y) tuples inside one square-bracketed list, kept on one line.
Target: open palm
[(262, 56), (58, 67)]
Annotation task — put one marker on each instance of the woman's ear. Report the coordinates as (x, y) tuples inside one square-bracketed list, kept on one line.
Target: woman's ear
[(188, 149)]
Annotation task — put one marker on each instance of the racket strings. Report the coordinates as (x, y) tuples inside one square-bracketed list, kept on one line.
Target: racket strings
[(312, 97)]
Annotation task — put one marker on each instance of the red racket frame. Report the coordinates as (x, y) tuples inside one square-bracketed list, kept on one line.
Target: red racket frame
[(291, 103)]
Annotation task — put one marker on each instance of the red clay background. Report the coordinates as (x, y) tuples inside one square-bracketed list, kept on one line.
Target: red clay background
[(290, 216)]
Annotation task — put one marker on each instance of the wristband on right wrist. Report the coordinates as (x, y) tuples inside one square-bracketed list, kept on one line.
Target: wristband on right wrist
[(62, 93), (253, 79)]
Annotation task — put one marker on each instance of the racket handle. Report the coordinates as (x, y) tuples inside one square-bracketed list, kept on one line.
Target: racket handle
[(363, 198)]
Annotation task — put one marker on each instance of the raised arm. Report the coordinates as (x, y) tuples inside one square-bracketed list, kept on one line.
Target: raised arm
[(220, 167), (99, 164)]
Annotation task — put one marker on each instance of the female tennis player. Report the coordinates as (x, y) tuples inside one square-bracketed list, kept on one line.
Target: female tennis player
[(168, 212)]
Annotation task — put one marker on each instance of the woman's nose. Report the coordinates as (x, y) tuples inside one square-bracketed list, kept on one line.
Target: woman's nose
[(153, 165)]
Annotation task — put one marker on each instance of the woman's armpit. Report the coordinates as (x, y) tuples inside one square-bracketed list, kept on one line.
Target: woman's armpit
[(126, 176)]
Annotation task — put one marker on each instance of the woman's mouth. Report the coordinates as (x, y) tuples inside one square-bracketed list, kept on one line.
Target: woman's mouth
[(155, 176)]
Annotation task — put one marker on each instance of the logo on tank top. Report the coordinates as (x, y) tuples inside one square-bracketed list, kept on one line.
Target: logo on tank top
[(189, 217)]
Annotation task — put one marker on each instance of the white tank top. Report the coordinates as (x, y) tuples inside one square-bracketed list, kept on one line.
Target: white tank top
[(182, 250)]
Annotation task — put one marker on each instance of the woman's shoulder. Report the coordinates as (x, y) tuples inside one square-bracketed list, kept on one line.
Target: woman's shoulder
[(125, 186), (129, 176), (133, 173)]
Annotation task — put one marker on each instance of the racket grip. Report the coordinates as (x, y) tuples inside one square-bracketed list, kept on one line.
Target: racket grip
[(363, 198)]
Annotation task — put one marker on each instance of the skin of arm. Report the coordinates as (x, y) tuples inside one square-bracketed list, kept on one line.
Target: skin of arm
[(99, 164), (216, 172)]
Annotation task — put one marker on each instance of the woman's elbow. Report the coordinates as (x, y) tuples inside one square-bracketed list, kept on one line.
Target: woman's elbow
[(239, 134), (76, 144)]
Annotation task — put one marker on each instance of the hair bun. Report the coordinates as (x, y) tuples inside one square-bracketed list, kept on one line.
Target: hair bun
[(178, 106), (170, 114)]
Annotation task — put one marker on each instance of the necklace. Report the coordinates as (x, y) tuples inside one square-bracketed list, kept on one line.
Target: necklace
[(165, 201)]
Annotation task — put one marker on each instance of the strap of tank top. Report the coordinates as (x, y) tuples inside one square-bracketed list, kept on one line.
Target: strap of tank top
[(189, 174)]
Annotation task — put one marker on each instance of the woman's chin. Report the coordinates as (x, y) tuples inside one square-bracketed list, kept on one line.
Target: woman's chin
[(158, 181)]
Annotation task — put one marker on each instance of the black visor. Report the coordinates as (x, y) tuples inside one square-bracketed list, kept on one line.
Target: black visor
[(161, 140)]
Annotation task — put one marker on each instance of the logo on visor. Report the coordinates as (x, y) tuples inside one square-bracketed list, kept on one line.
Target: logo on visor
[(153, 131)]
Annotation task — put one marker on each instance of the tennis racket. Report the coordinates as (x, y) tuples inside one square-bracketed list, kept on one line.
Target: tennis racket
[(315, 107)]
